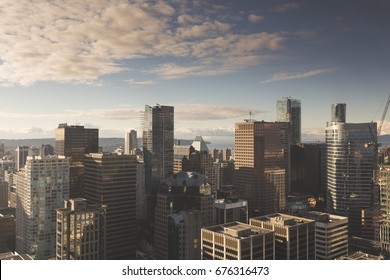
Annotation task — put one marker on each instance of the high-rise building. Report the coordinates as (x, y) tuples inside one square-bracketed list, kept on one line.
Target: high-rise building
[(81, 230), (41, 188), (184, 235), (351, 162), (294, 236), (180, 191), (331, 235), (2, 150), (74, 141), (308, 169), (229, 210), (140, 192), (237, 241), (21, 154), (289, 110), (131, 141), (262, 163), (7, 225), (226, 154), (384, 183), (158, 140), (47, 150), (110, 179)]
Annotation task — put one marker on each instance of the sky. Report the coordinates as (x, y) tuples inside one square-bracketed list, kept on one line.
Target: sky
[(98, 63)]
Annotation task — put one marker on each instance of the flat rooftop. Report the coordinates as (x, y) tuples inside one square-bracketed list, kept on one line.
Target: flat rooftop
[(238, 230), (283, 219)]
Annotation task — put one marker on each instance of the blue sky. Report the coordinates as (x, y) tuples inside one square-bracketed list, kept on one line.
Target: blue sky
[(99, 62)]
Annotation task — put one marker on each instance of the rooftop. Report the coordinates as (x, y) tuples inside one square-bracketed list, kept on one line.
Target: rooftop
[(238, 230), (283, 219)]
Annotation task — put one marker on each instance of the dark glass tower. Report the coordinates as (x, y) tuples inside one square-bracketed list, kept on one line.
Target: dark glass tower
[(158, 127), (289, 110), (73, 141)]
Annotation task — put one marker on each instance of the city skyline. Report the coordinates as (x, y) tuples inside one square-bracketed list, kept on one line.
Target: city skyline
[(213, 61)]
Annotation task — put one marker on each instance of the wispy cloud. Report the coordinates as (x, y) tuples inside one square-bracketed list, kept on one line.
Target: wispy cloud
[(141, 83), (255, 18), (292, 76), (77, 42), (287, 7), (185, 132), (206, 112)]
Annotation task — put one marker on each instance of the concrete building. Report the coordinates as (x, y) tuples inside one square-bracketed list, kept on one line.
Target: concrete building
[(184, 235), (73, 141), (21, 154), (81, 231), (110, 179), (289, 110), (294, 236), (131, 141), (351, 161), (8, 228), (384, 183), (361, 256), (2, 150), (226, 154), (262, 163), (180, 191), (230, 210), (237, 241), (331, 235), (158, 140), (47, 150), (41, 188)]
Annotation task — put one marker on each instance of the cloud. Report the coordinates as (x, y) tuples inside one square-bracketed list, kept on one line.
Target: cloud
[(205, 112), (313, 134), (292, 76), (287, 7), (255, 18), (80, 42), (141, 83)]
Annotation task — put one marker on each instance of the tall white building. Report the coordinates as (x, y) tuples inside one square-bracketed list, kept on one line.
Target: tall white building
[(351, 161), (41, 188), (131, 141)]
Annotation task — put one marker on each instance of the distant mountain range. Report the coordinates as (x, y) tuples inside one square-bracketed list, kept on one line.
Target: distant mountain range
[(107, 144)]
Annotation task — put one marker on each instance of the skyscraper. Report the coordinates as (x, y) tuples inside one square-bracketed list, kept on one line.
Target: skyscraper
[(180, 191), (41, 188), (21, 154), (81, 230), (158, 140), (289, 110), (350, 166), (384, 182), (73, 141), (131, 141), (110, 179), (262, 159)]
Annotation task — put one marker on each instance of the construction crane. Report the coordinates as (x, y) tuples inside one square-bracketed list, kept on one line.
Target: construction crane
[(374, 138)]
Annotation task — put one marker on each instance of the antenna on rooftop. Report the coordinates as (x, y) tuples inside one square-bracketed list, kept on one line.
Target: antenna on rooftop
[(251, 119)]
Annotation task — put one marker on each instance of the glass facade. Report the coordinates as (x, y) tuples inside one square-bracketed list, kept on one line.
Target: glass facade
[(350, 166), (289, 110)]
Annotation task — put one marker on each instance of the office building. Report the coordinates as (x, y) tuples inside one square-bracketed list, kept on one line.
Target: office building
[(131, 141), (8, 228), (21, 154), (47, 150), (226, 154), (262, 163), (229, 210), (289, 110), (331, 235), (237, 241), (81, 230), (41, 188), (351, 161), (141, 192), (158, 140), (308, 169), (2, 150), (384, 183), (74, 141), (184, 235), (180, 191), (110, 179), (294, 236)]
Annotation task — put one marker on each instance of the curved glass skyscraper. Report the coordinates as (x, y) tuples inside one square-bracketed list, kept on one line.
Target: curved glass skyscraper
[(350, 167)]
